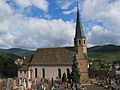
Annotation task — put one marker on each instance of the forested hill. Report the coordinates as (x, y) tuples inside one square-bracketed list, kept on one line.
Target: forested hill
[(7, 54), (17, 52), (105, 48), (109, 52)]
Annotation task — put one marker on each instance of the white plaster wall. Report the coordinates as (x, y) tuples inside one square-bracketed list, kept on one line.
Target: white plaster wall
[(50, 71), (22, 75), (29, 77)]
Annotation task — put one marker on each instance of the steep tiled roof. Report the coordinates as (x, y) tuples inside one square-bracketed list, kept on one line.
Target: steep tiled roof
[(53, 56)]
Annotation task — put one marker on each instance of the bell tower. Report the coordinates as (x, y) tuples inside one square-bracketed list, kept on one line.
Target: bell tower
[(81, 50)]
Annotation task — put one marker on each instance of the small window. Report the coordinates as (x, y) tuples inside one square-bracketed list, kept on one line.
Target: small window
[(84, 41), (24, 72)]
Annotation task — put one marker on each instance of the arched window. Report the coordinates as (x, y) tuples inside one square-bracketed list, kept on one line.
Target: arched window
[(59, 73), (79, 41), (35, 72), (24, 72), (68, 71), (43, 72)]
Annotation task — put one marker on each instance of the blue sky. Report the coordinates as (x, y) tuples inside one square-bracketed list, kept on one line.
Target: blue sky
[(55, 9), (35, 24)]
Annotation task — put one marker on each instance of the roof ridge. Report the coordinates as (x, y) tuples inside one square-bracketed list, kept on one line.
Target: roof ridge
[(56, 47)]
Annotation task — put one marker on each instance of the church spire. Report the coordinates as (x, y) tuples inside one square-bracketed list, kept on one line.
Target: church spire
[(79, 28)]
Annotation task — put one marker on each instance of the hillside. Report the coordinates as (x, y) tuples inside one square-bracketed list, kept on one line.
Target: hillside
[(18, 52), (6, 54), (109, 52), (105, 48)]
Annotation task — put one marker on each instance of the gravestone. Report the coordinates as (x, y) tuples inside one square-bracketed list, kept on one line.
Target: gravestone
[(29, 84), (14, 84), (24, 84)]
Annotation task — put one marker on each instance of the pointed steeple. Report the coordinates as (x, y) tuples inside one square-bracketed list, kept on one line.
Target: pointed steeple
[(79, 28)]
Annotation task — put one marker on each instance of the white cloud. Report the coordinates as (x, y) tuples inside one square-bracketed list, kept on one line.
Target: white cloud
[(23, 3), (108, 14), (69, 12), (17, 31), (41, 4), (51, 32), (100, 35), (31, 33), (4, 10), (47, 16), (64, 4), (34, 33)]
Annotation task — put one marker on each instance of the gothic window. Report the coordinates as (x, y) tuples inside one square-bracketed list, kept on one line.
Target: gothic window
[(68, 71), (59, 73), (35, 72), (43, 72)]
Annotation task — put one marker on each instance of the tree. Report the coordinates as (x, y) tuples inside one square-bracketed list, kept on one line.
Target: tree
[(7, 66), (64, 78), (75, 74), (69, 78)]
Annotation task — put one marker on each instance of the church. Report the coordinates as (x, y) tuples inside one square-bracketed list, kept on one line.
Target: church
[(53, 62)]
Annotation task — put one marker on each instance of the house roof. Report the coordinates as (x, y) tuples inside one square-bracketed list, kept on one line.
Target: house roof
[(53, 56)]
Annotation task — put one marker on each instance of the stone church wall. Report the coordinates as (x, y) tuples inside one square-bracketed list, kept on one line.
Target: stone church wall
[(50, 71), (22, 74)]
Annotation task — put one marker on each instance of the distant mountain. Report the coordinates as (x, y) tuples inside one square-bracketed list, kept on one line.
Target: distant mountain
[(110, 52), (6, 54), (18, 52), (105, 48)]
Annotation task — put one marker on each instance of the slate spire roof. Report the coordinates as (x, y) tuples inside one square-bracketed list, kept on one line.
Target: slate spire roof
[(79, 28)]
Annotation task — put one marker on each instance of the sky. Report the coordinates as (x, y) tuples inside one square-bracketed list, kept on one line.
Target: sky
[(32, 24)]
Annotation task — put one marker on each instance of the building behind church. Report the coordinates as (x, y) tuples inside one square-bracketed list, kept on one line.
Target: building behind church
[(53, 62)]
